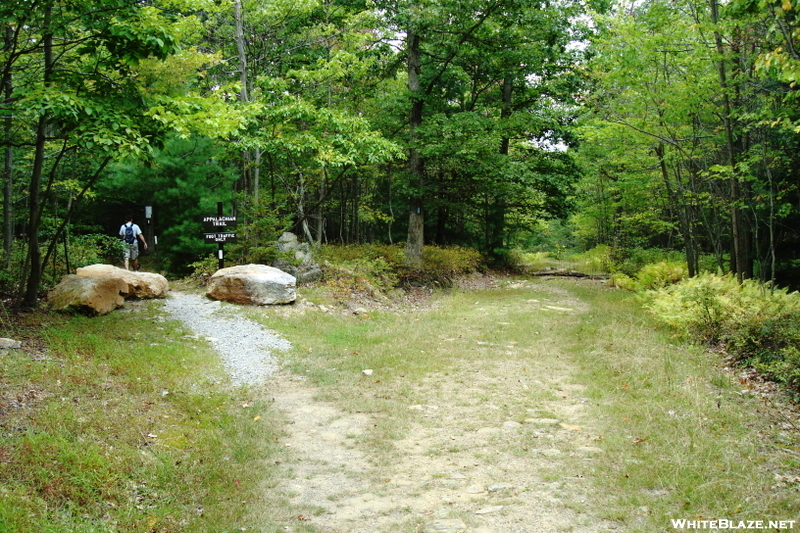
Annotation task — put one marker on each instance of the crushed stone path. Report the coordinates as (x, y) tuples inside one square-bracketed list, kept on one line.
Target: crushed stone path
[(247, 349)]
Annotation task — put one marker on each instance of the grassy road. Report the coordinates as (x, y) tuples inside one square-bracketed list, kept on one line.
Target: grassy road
[(562, 392), (524, 406)]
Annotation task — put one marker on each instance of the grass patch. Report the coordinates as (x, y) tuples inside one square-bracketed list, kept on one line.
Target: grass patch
[(125, 424), (681, 437)]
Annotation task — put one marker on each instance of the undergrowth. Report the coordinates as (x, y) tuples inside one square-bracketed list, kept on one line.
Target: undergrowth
[(380, 267), (652, 276), (757, 325)]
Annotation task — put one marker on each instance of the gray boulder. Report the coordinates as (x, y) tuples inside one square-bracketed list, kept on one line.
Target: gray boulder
[(93, 294), (139, 284), (303, 267), (252, 285)]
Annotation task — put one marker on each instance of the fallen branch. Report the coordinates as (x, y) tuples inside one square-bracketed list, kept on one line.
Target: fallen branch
[(568, 274)]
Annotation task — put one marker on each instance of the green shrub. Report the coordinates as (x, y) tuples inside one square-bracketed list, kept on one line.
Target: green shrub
[(622, 281), (343, 254), (450, 261), (95, 248), (441, 265), (260, 226), (661, 274), (204, 268), (631, 260), (598, 259), (536, 260), (758, 326), (650, 277), (374, 267)]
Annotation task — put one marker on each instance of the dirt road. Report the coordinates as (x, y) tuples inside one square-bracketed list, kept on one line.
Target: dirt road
[(489, 448)]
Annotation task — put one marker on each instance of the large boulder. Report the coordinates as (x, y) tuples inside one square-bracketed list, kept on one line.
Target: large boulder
[(93, 294), (302, 266), (139, 284), (252, 284)]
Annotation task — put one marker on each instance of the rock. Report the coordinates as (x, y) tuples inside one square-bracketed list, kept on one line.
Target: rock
[(367, 372), (95, 294), (495, 487), (511, 424), (10, 344), (446, 525), (252, 284), (487, 510), (543, 421), (140, 284), (423, 407), (552, 452), (303, 267), (590, 450), (554, 308), (287, 242), (475, 489)]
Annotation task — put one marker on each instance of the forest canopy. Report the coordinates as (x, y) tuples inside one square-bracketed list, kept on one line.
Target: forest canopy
[(481, 123)]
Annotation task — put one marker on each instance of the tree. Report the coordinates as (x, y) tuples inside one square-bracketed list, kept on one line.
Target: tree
[(305, 93), (78, 93), (482, 80), (183, 182), (680, 76)]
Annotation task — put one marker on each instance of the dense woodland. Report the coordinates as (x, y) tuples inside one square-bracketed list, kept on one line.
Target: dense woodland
[(669, 125)]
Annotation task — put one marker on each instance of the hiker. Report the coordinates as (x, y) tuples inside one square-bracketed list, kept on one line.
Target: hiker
[(131, 235)]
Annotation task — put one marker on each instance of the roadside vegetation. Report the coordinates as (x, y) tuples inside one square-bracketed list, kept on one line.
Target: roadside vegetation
[(124, 423)]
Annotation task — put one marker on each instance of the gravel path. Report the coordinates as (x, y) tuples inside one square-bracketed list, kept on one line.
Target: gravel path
[(245, 347)]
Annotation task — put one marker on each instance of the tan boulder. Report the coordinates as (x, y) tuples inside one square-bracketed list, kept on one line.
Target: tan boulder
[(252, 285), (139, 284), (96, 294)]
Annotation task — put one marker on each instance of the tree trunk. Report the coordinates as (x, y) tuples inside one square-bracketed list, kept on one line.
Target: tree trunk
[(34, 203), (240, 48), (497, 210), (252, 159), (8, 168), (320, 221), (684, 217), (416, 166), (739, 260)]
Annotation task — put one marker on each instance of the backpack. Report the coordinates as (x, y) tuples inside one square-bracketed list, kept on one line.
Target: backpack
[(130, 238)]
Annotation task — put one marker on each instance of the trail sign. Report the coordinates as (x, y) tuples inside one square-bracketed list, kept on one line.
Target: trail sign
[(212, 238), (218, 222)]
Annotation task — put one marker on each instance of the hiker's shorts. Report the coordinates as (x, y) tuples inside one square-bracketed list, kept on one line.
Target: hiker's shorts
[(130, 251)]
